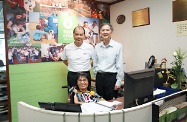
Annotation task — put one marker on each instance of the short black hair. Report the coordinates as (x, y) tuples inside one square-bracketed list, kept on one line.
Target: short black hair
[(18, 13), (78, 27), (19, 22), (85, 22), (38, 27), (84, 75), (23, 12)]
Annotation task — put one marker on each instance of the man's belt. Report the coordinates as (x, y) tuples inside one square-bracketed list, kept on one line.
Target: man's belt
[(79, 72), (106, 73)]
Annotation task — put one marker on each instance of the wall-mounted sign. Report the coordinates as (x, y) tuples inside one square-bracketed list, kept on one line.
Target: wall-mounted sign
[(120, 19), (179, 10), (140, 17), (181, 28)]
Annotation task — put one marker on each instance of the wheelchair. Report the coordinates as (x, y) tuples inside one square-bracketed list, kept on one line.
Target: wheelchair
[(71, 94)]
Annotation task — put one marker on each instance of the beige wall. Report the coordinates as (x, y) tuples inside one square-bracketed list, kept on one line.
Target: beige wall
[(159, 38)]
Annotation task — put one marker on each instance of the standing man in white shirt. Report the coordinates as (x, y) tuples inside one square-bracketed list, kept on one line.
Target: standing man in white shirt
[(108, 64), (78, 56)]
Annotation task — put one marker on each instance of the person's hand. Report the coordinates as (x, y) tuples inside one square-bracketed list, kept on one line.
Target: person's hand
[(14, 3), (115, 107), (93, 79), (116, 87)]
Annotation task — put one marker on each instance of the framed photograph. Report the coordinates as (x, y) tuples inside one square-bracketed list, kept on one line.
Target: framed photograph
[(140, 17)]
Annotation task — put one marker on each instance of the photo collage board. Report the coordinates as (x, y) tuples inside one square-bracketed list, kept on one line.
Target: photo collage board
[(38, 30)]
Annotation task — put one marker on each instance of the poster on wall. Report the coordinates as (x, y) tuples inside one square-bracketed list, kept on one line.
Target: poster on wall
[(38, 30), (91, 26), (66, 26), (181, 28)]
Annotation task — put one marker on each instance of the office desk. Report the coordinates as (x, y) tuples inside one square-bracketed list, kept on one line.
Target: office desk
[(141, 113), (120, 99)]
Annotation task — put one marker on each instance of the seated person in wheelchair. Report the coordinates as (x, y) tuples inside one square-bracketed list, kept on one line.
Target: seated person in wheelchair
[(82, 94)]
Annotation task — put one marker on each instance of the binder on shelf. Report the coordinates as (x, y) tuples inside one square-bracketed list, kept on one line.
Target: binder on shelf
[(3, 81), (3, 93), (4, 111), (4, 98), (3, 103)]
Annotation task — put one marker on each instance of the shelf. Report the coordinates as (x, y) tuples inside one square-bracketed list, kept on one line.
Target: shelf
[(4, 98), (3, 95), (2, 69), (4, 111), (3, 74), (3, 86), (4, 117), (2, 108), (3, 81), (4, 103)]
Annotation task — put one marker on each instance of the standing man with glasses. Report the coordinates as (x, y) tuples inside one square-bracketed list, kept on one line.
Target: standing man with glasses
[(78, 57), (108, 64)]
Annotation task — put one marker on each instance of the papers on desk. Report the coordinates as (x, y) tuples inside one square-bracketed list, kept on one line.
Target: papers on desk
[(101, 106), (159, 91)]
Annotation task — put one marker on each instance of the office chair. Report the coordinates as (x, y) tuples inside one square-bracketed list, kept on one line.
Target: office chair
[(71, 97)]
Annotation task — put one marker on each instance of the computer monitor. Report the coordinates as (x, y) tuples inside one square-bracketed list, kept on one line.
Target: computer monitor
[(57, 106), (138, 87)]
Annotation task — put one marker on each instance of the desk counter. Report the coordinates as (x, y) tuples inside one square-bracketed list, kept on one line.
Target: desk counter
[(141, 113)]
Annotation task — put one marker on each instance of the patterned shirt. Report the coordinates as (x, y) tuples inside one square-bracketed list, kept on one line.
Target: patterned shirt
[(88, 97)]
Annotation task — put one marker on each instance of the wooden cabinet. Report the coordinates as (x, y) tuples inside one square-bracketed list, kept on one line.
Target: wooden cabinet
[(4, 97)]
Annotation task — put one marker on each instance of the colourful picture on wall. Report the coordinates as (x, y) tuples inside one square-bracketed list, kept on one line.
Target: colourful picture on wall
[(91, 29), (66, 25), (17, 29), (51, 52), (43, 28), (38, 30), (24, 54)]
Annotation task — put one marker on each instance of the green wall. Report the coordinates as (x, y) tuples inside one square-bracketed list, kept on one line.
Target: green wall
[(36, 82)]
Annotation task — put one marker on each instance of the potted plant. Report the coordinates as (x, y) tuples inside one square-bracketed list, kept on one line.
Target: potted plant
[(177, 72)]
